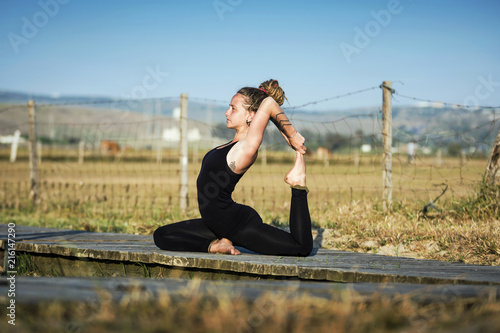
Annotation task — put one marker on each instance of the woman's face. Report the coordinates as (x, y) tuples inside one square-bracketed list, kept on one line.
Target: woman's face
[(237, 114)]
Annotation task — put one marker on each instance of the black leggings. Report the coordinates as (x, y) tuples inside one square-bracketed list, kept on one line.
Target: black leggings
[(195, 236)]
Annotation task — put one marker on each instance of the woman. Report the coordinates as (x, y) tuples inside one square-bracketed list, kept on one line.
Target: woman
[(224, 223)]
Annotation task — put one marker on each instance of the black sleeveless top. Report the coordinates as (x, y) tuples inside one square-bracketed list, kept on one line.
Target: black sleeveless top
[(215, 185)]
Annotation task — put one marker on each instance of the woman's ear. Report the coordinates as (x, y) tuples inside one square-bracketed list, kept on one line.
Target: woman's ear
[(251, 114)]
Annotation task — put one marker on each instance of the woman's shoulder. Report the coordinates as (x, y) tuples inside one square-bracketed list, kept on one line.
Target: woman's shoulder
[(225, 145)]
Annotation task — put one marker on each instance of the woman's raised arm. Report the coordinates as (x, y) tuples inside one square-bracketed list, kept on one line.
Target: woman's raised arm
[(270, 110)]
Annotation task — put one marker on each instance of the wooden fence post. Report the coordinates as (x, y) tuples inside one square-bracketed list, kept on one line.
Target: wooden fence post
[(183, 153), (387, 146), (263, 155), (439, 157), (39, 152), (33, 155), (493, 163)]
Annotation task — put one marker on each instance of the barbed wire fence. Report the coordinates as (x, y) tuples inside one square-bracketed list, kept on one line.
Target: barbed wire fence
[(121, 158)]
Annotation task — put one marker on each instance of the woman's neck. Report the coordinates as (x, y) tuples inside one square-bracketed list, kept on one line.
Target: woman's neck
[(240, 135)]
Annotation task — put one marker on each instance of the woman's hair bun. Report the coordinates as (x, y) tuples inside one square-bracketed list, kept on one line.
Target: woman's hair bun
[(273, 89)]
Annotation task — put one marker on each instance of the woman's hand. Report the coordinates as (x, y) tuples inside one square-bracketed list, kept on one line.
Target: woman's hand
[(296, 142), (274, 113)]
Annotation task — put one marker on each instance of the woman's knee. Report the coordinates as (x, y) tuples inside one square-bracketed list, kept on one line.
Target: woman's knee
[(305, 249), (160, 235)]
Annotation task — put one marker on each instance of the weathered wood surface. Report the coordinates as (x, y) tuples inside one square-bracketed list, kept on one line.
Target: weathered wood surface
[(326, 265), (36, 290)]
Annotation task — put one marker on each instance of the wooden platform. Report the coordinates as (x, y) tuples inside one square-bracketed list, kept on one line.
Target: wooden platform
[(40, 290), (58, 252)]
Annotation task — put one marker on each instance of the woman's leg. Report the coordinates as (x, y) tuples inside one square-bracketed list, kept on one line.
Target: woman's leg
[(263, 238), (300, 219), (191, 235)]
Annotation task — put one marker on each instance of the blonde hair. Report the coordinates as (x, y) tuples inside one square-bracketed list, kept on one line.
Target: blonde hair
[(255, 96)]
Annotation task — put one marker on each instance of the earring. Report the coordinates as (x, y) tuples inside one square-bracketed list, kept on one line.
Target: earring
[(248, 123)]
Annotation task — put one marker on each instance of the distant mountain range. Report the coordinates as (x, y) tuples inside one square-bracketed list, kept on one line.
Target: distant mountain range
[(204, 111), (11, 97)]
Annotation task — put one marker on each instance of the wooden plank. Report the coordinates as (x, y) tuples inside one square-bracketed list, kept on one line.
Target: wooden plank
[(328, 265), (36, 290)]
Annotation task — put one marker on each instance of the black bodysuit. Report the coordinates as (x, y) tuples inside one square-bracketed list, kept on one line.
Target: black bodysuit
[(215, 185), (221, 217)]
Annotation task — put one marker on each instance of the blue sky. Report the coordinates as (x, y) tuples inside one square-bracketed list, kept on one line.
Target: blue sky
[(439, 50)]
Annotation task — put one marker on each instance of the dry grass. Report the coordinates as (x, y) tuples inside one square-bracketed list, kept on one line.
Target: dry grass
[(271, 312), (406, 232)]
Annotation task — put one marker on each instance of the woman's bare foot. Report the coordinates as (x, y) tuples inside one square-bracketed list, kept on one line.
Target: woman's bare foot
[(223, 246), (297, 176)]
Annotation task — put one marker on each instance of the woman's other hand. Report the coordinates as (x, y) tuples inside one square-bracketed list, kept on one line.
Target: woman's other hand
[(296, 142)]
